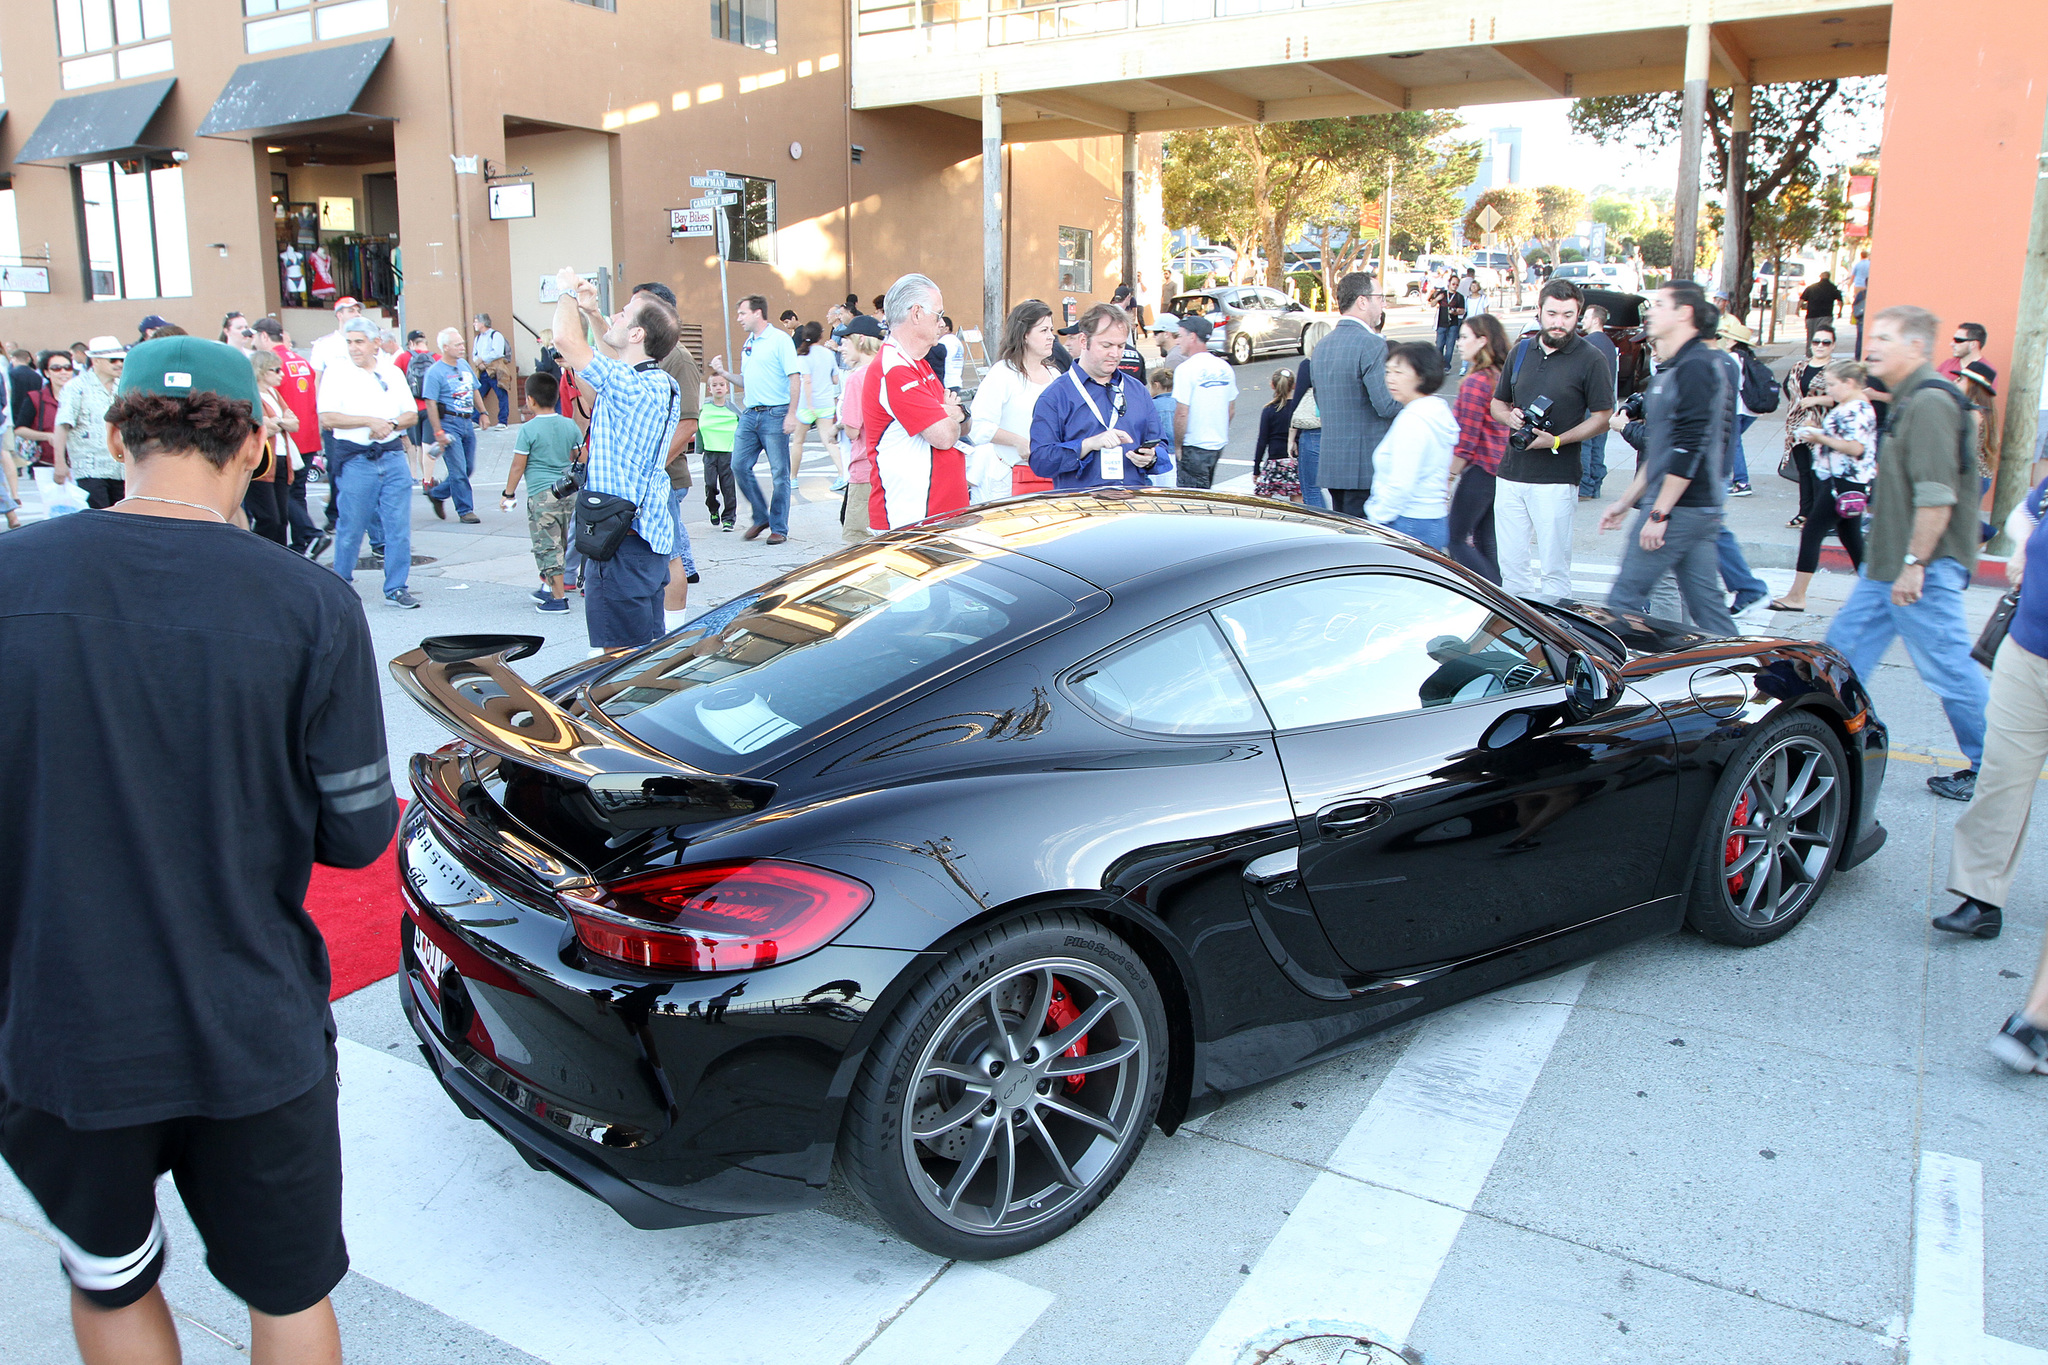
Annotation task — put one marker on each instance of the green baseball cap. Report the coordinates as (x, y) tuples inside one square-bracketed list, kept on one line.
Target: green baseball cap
[(183, 366)]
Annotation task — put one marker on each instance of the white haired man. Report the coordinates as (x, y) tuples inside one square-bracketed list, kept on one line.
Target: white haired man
[(450, 390), (910, 424)]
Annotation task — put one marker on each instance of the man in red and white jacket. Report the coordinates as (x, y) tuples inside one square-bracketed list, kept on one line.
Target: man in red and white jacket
[(910, 424)]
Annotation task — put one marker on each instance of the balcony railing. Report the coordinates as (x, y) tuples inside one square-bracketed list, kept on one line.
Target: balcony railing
[(955, 24)]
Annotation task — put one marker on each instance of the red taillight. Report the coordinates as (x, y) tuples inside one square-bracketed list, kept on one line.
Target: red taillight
[(717, 917)]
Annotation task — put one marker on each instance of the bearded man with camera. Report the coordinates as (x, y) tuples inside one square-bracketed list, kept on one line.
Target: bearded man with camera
[(1555, 391)]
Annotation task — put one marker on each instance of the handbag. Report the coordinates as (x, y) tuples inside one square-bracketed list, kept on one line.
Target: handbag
[(1307, 416), (1993, 634), (1852, 500), (1788, 469), (602, 523)]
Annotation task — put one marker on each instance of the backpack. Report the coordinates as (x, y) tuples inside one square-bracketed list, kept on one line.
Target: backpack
[(1966, 458), (416, 372), (1759, 385)]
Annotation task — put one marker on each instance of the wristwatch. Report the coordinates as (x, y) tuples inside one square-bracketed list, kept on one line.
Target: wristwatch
[(1912, 560), (1659, 517)]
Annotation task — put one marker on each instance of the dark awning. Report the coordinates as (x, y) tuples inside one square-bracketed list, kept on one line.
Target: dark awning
[(268, 96), (85, 127)]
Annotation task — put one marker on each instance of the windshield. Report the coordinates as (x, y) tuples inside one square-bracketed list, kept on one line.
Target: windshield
[(754, 677)]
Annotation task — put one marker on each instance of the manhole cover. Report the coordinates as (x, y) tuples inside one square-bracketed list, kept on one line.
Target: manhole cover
[(1332, 1349)]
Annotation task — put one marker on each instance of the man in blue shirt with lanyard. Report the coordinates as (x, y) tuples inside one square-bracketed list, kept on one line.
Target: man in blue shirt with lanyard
[(1095, 426), (633, 413), (767, 363)]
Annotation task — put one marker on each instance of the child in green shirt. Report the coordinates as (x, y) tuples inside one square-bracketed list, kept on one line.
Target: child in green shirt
[(547, 445), (717, 424)]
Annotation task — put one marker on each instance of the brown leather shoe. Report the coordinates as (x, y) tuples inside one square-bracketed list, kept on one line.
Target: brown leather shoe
[(777, 540), (753, 531)]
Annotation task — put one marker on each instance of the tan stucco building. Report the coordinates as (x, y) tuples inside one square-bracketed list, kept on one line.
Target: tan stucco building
[(163, 154)]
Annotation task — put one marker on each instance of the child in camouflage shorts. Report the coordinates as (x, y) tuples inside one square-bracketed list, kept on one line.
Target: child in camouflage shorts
[(548, 444)]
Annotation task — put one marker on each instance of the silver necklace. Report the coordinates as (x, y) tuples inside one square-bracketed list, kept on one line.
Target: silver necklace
[(176, 502)]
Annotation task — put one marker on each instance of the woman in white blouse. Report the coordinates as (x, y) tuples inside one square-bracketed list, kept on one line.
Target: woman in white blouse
[(1000, 430)]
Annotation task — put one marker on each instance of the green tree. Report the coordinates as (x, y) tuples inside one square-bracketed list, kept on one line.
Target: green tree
[(1557, 215), (1655, 246), (1263, 186), (1787, 121)]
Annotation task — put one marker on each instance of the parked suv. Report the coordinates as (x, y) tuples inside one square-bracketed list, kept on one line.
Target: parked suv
[(1252, 320)]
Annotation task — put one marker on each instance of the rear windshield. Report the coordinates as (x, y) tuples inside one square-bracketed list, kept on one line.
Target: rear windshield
[(759, 675)]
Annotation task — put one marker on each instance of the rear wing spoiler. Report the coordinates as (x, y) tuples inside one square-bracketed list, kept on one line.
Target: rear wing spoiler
[(467, 683)]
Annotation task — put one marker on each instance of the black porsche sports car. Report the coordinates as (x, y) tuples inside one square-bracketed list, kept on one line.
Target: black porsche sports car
[(967, 855)]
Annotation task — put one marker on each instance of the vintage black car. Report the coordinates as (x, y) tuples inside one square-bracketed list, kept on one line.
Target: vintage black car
[(967, 855)]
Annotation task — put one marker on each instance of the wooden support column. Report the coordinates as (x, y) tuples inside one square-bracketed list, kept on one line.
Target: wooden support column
[(1130, 234), (1692, 128), (991, 221)]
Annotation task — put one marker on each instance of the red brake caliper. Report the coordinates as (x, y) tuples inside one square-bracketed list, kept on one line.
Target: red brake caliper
[(1060, 1013), (1736, 843)]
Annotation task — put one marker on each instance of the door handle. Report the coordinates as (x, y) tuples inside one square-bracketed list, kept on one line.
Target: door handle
[(1353, 817)]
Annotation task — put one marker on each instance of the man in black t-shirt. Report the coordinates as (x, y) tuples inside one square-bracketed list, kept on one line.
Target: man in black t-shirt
[(1537, 488), (1819, 301), (163, 993)]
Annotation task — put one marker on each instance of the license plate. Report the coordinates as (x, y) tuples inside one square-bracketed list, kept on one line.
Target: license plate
[(432, 960), (436, 877)]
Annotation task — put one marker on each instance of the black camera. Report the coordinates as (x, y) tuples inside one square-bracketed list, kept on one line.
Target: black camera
[(1632, 407), (1535, 418)]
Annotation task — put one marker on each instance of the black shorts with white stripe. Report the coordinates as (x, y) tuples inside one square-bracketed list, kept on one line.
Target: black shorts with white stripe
[(264, 1191)]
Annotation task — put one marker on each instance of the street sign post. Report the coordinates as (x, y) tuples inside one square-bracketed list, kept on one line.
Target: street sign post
[(720, 192), (1489, 218)]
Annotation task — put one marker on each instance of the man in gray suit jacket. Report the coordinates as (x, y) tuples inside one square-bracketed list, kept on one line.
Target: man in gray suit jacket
[(1349, 377)]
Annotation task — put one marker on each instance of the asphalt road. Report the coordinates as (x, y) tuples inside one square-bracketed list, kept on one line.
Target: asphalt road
[(1681, 1153)]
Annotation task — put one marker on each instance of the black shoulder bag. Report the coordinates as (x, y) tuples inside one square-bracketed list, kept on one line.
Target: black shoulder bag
[(604, 520)]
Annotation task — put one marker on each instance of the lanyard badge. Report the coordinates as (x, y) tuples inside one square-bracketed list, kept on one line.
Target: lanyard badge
[(1110, 457)]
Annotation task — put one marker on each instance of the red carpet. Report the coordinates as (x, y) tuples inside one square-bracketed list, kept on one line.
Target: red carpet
[(358, 912)]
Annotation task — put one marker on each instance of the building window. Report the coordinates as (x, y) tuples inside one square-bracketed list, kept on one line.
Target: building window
[(106, 40), (750, 224), (1077, 260), (10, 242), (744, 21), (287, 23), (134, 214)]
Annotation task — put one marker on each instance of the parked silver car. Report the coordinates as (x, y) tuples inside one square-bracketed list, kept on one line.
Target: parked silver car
[(1252, 320)]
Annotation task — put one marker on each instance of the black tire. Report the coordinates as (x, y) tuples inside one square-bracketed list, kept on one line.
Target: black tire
[(1240, 349), (1761, 871), (931, 1067)]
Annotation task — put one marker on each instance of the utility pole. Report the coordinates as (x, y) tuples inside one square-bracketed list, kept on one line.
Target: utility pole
[(1387, 227), (1735, 220), (2023, 396)]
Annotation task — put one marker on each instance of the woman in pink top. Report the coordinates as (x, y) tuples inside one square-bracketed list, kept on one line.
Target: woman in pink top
[(860, 468)]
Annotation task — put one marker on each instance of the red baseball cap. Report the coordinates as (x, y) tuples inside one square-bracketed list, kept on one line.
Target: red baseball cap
[(346, 301)]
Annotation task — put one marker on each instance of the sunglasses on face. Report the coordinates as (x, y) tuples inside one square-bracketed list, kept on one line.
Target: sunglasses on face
[(1961, 341), (60, 369)]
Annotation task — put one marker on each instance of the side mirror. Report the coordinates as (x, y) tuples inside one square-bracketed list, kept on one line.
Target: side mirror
[(1589, 689)]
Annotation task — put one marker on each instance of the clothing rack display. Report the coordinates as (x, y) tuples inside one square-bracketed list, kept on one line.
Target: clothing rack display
[(363, 267)]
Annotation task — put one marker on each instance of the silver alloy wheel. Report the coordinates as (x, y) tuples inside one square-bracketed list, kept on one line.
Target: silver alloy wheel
[(1005, 1130), (1241, 348), (1781, 831)]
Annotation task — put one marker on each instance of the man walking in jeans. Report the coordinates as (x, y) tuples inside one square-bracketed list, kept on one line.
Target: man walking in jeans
[(1921, 546), (633, 415), (1678, 482), (364, 409), (767, 363)]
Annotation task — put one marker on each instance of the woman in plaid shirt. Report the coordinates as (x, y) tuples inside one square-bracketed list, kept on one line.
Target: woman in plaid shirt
[(1483, 345)]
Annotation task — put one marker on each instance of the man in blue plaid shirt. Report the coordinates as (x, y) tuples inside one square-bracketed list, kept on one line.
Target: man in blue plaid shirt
[(634, 409)]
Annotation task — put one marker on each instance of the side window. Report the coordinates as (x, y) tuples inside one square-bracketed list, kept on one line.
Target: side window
[(1182, 681), (1365, 645)]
